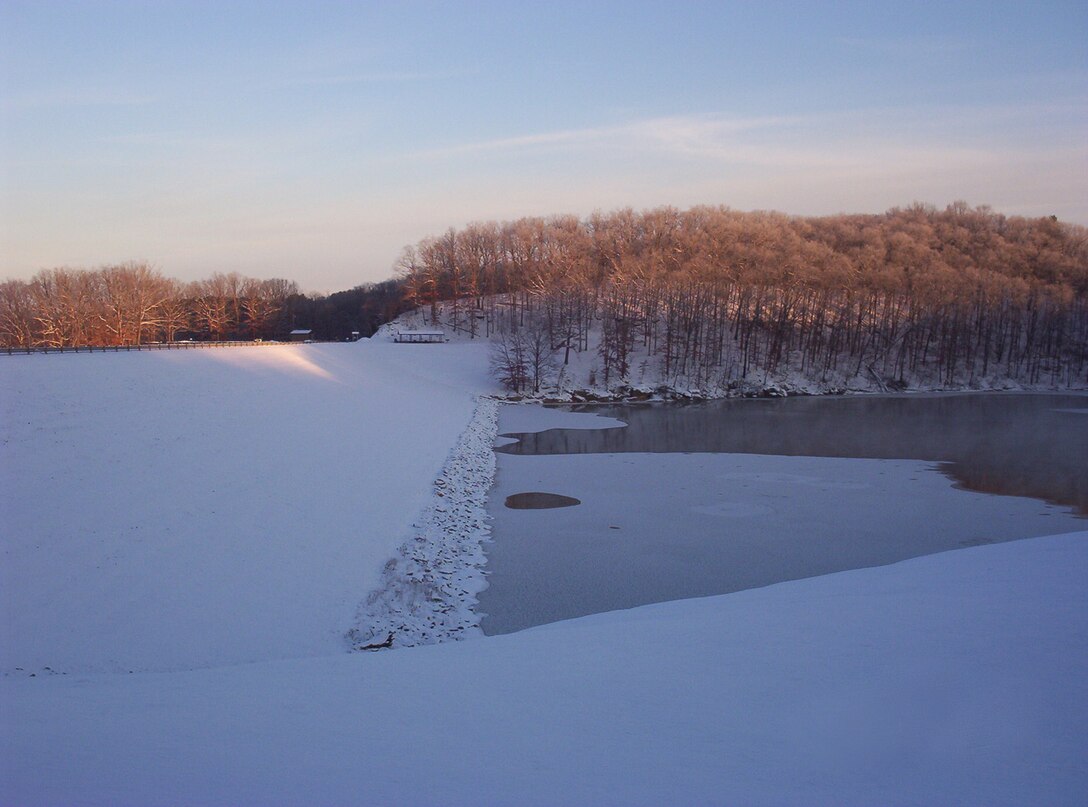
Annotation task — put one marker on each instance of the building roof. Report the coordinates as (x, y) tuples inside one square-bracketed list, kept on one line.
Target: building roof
[(300, 331)]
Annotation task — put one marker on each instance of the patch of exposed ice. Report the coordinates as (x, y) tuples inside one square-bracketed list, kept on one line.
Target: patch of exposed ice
[(777, 478), (734, 510)]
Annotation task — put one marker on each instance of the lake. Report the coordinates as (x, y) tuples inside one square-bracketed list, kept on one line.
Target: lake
[(692, 500)]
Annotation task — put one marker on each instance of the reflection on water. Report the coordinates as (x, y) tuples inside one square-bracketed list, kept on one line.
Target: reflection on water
[(1011, 444), (539, 501)]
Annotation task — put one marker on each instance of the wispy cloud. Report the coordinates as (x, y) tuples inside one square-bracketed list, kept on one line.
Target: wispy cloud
[(676, 134), (848, 138), (863, 159)]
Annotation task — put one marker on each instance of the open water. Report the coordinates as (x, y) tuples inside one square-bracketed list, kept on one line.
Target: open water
[(699, 499)]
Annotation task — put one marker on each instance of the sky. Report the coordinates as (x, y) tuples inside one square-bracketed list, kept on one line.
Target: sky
[(315, 140)]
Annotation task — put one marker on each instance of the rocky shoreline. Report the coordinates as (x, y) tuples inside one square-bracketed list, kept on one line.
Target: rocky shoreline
[(428, 590), (743, 389)]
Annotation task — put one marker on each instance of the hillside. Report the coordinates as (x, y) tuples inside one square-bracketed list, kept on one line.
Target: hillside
[(715, 299)]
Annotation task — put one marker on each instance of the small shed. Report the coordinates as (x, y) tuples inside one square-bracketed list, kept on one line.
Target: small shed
[(420, 337), (302, 335)]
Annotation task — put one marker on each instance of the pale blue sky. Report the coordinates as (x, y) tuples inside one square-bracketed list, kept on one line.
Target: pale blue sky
[(315, 140)]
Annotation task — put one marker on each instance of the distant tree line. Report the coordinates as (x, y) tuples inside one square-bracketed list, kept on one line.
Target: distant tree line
[(712, 293), (336, 316), (707, 294), (133, 303)]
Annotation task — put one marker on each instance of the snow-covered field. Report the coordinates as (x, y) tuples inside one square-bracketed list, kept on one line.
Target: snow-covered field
[(171, 510), (214, 521)]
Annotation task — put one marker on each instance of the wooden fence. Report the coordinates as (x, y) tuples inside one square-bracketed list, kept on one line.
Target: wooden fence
[(149, 346)]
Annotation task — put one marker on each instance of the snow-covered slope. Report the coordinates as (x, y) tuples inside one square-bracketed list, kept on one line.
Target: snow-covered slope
[(579, 376), (950, 679), (213, 519), (180, 509)]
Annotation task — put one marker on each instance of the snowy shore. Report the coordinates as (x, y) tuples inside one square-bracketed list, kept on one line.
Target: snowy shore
[(219, 542), (428, 590), (950, 679), (578, 378)]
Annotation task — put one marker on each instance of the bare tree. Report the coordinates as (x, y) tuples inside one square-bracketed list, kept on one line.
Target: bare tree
[(540, 358), (133, 296), (17, 319), (177, 312), (510, 360), (211, 306)]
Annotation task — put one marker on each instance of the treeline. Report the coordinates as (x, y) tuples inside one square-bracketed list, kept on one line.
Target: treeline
[(704, 296), (133, 303), (336, 316), (711, 294)]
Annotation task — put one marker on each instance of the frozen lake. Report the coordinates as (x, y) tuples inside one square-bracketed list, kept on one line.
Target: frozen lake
[(695, 500)]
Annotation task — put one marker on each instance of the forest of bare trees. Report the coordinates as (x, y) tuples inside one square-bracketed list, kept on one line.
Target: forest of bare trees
[(710, 294), (133, 304), (707, 296)]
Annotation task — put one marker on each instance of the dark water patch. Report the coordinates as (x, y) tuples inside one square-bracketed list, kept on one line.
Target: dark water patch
[(535, 500), (698, 499), (1012, 444)]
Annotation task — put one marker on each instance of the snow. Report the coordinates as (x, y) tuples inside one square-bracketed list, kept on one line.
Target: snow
[(530, 417), (582, 375), (215, 521), (951, 679), (428, 591), (177, 509)]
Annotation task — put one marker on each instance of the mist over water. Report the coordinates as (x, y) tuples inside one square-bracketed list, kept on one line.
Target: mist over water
[(1013, 444), (700, 499)]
